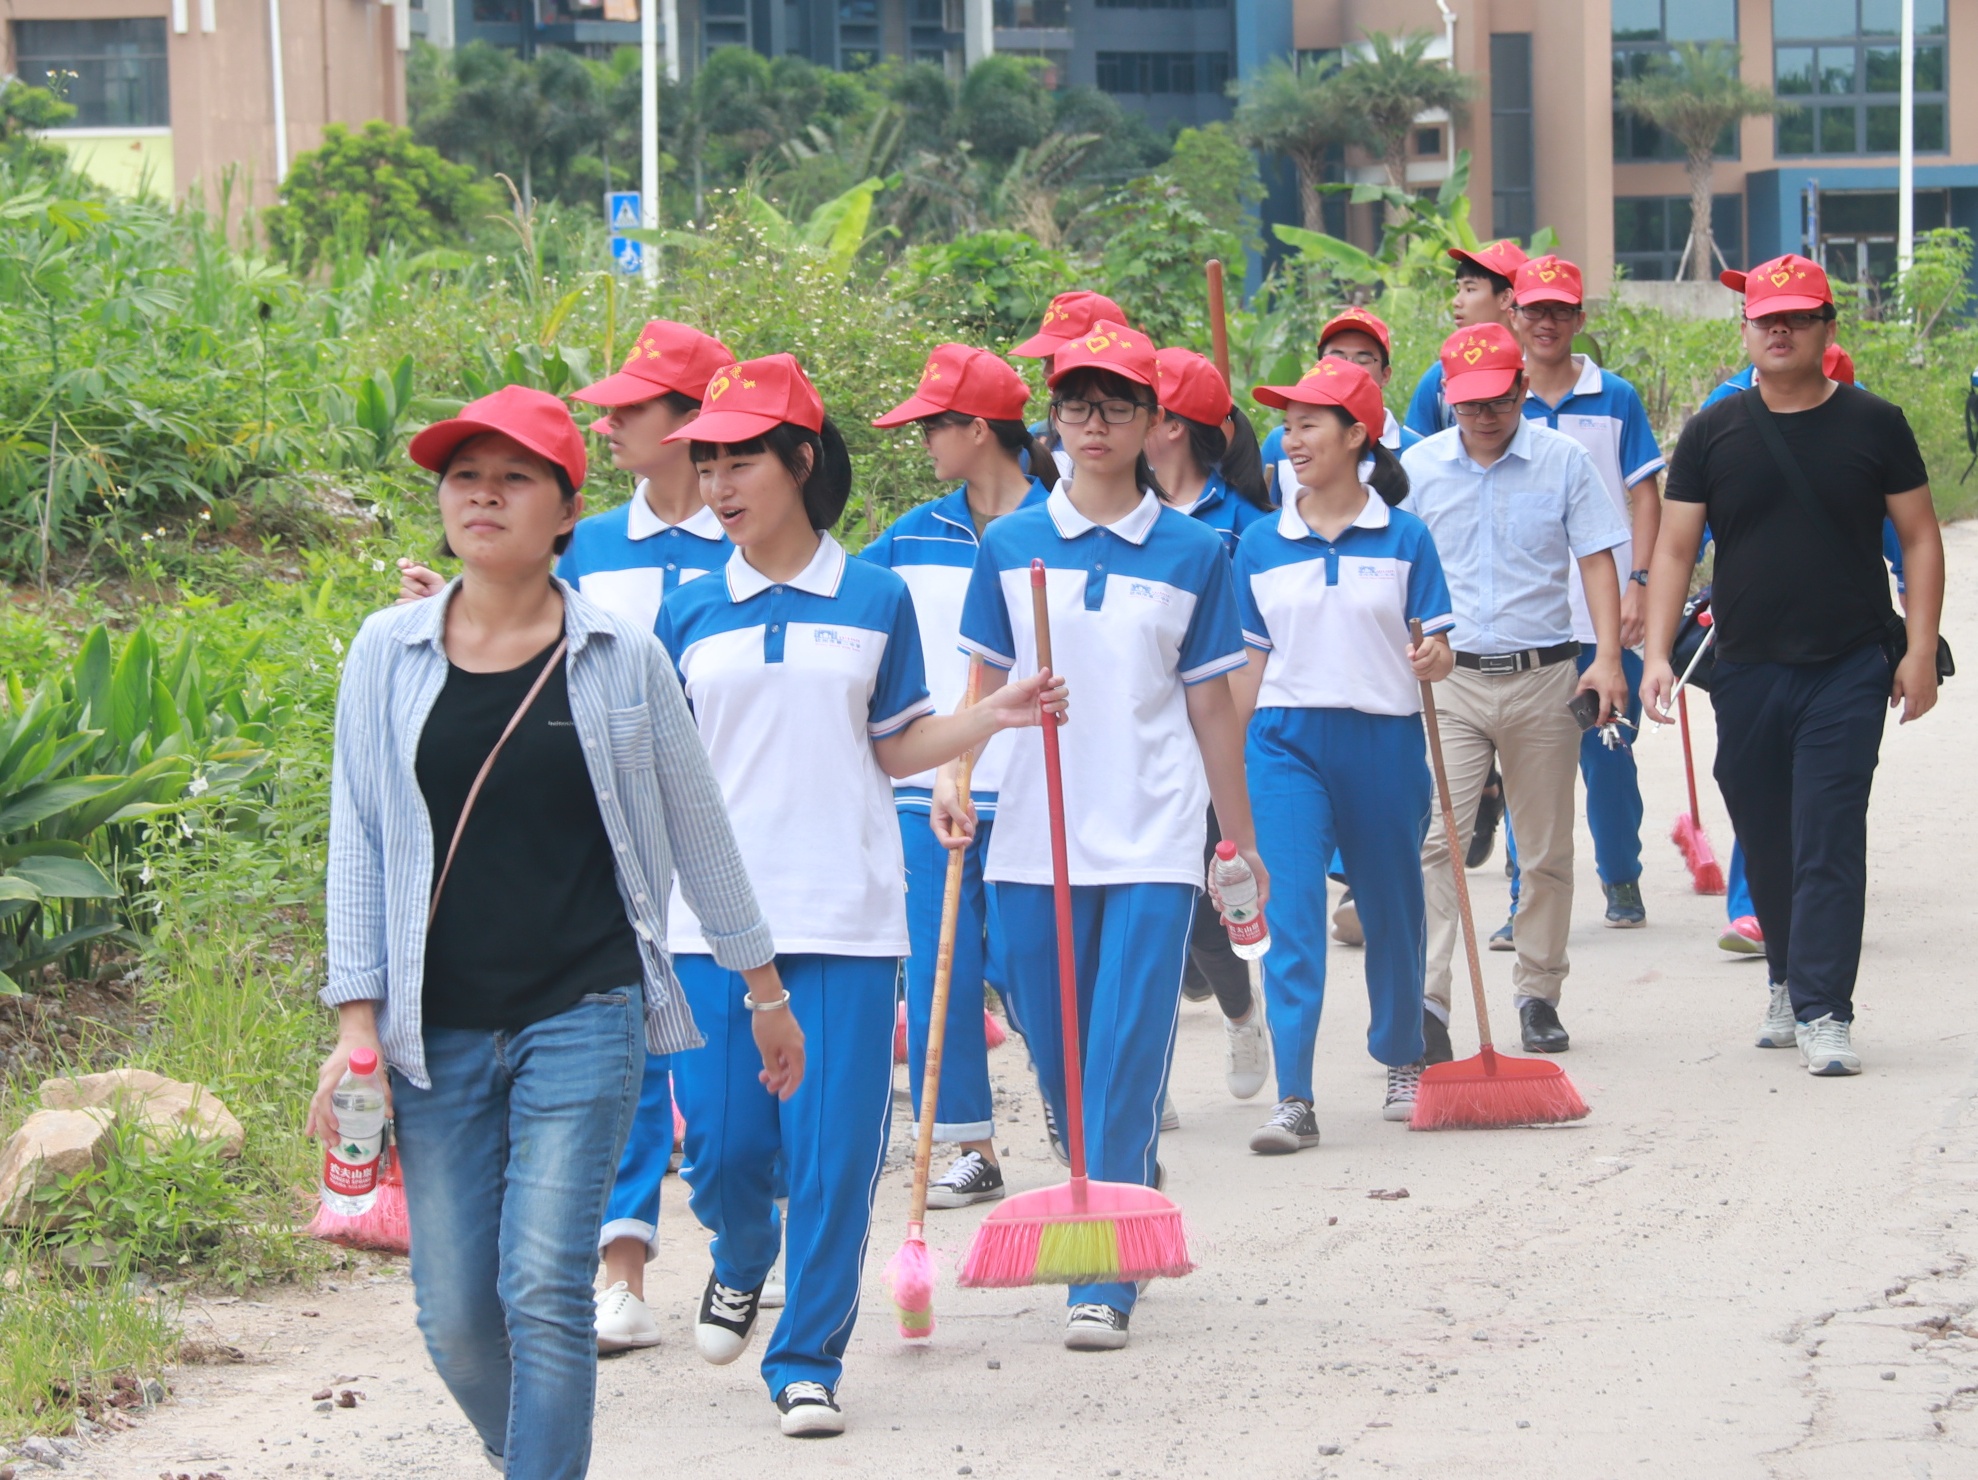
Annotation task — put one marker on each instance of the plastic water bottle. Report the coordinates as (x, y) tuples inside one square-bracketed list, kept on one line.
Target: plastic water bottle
[(1243, 917), (350, 1167)]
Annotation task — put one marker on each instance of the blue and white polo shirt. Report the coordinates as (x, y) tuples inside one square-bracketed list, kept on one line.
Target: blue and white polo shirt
[(1139, 610), (1603, 414), (933, 548), (1332, 615), (790, 684), (628, 559), (1277, 467), (1428, 408), (1224, 510)]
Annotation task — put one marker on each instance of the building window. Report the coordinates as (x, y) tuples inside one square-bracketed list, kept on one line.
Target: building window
[(1651, 231), (113, 72), (1428, 141), (1857, 228), (1163, 71), (1647, 29), (1513, 160), (724, 23), (858, 34), (498, 12), (1033, 15), (1841, 62)]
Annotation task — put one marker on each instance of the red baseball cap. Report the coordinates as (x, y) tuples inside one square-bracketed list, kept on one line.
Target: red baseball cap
[(536, 419), (1333, 383), (668, 357), (747, 400), (1786, 284), (1549, 279), (1503, 258), (1109, 346), (1070, 316), (1479, 364), (1837, 364), (1190, 385), (958, 378), (1356, 320)]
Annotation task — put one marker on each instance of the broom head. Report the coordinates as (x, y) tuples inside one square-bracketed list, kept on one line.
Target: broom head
[(385, 1228), (992, 1031), (910, 1279), (1689, 836), (1493, 1090), (1081, 1233)]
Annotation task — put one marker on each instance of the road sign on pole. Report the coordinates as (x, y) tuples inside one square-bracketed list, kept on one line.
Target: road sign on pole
[(621, 213)]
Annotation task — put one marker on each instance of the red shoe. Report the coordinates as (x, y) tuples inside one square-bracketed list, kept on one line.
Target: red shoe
[(1742, 937)]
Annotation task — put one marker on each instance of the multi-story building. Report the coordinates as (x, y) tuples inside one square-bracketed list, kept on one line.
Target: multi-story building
[(170, 95)]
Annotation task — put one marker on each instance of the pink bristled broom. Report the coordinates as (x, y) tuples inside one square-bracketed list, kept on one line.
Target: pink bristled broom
[(1706, 875), (1084, 1232)]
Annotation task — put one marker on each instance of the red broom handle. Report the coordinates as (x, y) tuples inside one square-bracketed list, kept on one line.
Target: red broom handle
[(1455, 860), (1218, 320), (1689, 764), (1054, 785), (944, 975)]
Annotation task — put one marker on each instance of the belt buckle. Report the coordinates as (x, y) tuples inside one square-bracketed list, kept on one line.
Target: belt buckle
[(1496, 665)]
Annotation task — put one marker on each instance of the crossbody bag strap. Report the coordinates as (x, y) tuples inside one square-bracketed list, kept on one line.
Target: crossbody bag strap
[(467, 807), (1789, 469)]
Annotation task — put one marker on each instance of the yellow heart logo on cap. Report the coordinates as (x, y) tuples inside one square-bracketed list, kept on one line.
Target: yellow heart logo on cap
[(1547, 274), (1781, 278), (718, 386), (1474, 353)]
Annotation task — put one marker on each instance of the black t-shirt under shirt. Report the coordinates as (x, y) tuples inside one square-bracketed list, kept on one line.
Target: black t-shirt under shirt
[(531, 917), (1784, 590)]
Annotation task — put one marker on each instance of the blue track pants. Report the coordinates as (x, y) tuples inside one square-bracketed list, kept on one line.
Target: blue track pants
[(1614, 807), (1131, 943), (965, 1110), (831, 1135), (1322, 779)]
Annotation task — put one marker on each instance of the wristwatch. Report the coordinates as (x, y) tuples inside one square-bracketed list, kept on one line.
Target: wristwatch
[(1639, 577)]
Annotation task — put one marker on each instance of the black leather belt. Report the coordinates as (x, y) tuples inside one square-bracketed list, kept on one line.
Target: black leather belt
[(1497, 664)]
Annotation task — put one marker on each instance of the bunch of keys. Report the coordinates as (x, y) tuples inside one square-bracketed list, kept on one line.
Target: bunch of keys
[(1610, 733)]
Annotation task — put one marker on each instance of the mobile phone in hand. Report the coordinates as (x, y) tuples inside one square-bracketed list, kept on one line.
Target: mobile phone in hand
[(1585, 707)]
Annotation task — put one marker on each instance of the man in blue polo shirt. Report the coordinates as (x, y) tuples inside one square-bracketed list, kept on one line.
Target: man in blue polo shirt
[(1485, 294), (1602, 412), (1513, 506)]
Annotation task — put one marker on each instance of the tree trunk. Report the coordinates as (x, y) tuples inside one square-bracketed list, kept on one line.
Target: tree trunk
[(1396, 162), (1311, 204), (1701, 165)]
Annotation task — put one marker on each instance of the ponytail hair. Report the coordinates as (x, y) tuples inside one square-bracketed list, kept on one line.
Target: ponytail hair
[(1235, 458), (1388, 478), (1011, 434), (824, 479)]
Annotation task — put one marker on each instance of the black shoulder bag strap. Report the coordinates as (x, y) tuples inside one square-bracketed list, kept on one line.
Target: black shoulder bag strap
[(1895, 631)]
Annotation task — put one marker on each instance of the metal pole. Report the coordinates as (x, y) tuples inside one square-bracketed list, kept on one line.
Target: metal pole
[(649, 128), (280, 88), (1906, 166), (670, 20)]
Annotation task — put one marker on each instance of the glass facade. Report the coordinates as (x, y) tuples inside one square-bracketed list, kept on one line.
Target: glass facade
[(1033, 15), (1163, 71), (1513, 158), (113, 72), (1840, 63), (1646, 29), (1650, 232)]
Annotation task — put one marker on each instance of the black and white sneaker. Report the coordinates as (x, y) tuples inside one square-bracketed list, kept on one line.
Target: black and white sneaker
[(1402, 1082), (1095, 1328), (810, 1411), (1292, 1127), (726, 1322), (1058, 1152), (973, 1178)]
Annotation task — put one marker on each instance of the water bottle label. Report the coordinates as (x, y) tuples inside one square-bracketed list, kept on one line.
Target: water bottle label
[(1247, 932), (350, 1168)]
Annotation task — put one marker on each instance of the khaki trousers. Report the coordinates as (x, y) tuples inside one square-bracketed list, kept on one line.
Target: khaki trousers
[(1522, 719)]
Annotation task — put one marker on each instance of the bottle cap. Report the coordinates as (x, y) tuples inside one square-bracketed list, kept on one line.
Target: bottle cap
[(363, 1061), (1225, 850)]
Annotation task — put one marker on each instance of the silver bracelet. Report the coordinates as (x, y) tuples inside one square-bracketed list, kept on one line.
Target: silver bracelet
[(754, 1006)]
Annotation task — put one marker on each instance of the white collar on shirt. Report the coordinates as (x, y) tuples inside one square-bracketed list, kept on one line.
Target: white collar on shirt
[(1590, 382), (1291, 524), (1133, 528), (642, 524), (819, 578), (1390, 434), (1448, 446)]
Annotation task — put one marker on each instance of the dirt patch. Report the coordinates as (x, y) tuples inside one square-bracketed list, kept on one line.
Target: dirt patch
[(45, 1031)]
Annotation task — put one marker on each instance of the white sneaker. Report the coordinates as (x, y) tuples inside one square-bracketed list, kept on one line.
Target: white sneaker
[(623, 1321), (726, 1321), (1170, 1117), (1779, 1030), (810, 1411), (1402, 1083), (1346, 922), (1246, 1054), (1826, 1047), (1292, 1127)]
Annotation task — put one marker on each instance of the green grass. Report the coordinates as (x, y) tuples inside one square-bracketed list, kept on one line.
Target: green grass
[(64, 1341)]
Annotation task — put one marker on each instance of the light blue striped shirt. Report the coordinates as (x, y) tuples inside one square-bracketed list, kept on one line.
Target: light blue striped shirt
[(655, 792), (1509, 534)]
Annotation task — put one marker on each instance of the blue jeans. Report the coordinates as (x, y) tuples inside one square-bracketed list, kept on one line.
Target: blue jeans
[(633, 1211), (508, 1160), (1613, 791)]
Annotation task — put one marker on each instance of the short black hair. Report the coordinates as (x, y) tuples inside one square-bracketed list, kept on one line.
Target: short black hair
[(824, 479), (563, 486), (678, 402), (1465, 268)]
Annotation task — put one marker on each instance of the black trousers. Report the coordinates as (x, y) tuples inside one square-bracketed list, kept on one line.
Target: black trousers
[(1796, 751), (1210, 959)]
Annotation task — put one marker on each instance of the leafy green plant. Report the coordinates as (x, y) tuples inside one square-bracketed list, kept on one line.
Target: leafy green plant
[(1155, 245), (156, 1202), (65, 1337), (998, 283), (359, 190), (382, 402)]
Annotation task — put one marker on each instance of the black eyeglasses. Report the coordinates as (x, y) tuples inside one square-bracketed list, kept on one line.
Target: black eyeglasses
[(1076, 412), (1538, 313), (1502, 406), (1799, 323)]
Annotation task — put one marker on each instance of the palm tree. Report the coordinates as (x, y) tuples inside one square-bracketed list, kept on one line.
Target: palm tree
[(1694, 95), (1386, 91), (1297, 112)]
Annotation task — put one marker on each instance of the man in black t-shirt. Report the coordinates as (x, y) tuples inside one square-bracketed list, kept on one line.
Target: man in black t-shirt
[(1794, 478)]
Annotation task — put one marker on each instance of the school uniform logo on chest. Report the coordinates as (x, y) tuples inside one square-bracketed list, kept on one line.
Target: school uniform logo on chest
[(1150, 591), (1374, 572), (840, 638)]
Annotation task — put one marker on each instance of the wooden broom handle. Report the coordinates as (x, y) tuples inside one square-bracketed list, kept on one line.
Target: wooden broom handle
[(1455, 856), (1218, 320), (1054, 784), (944, 972)]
